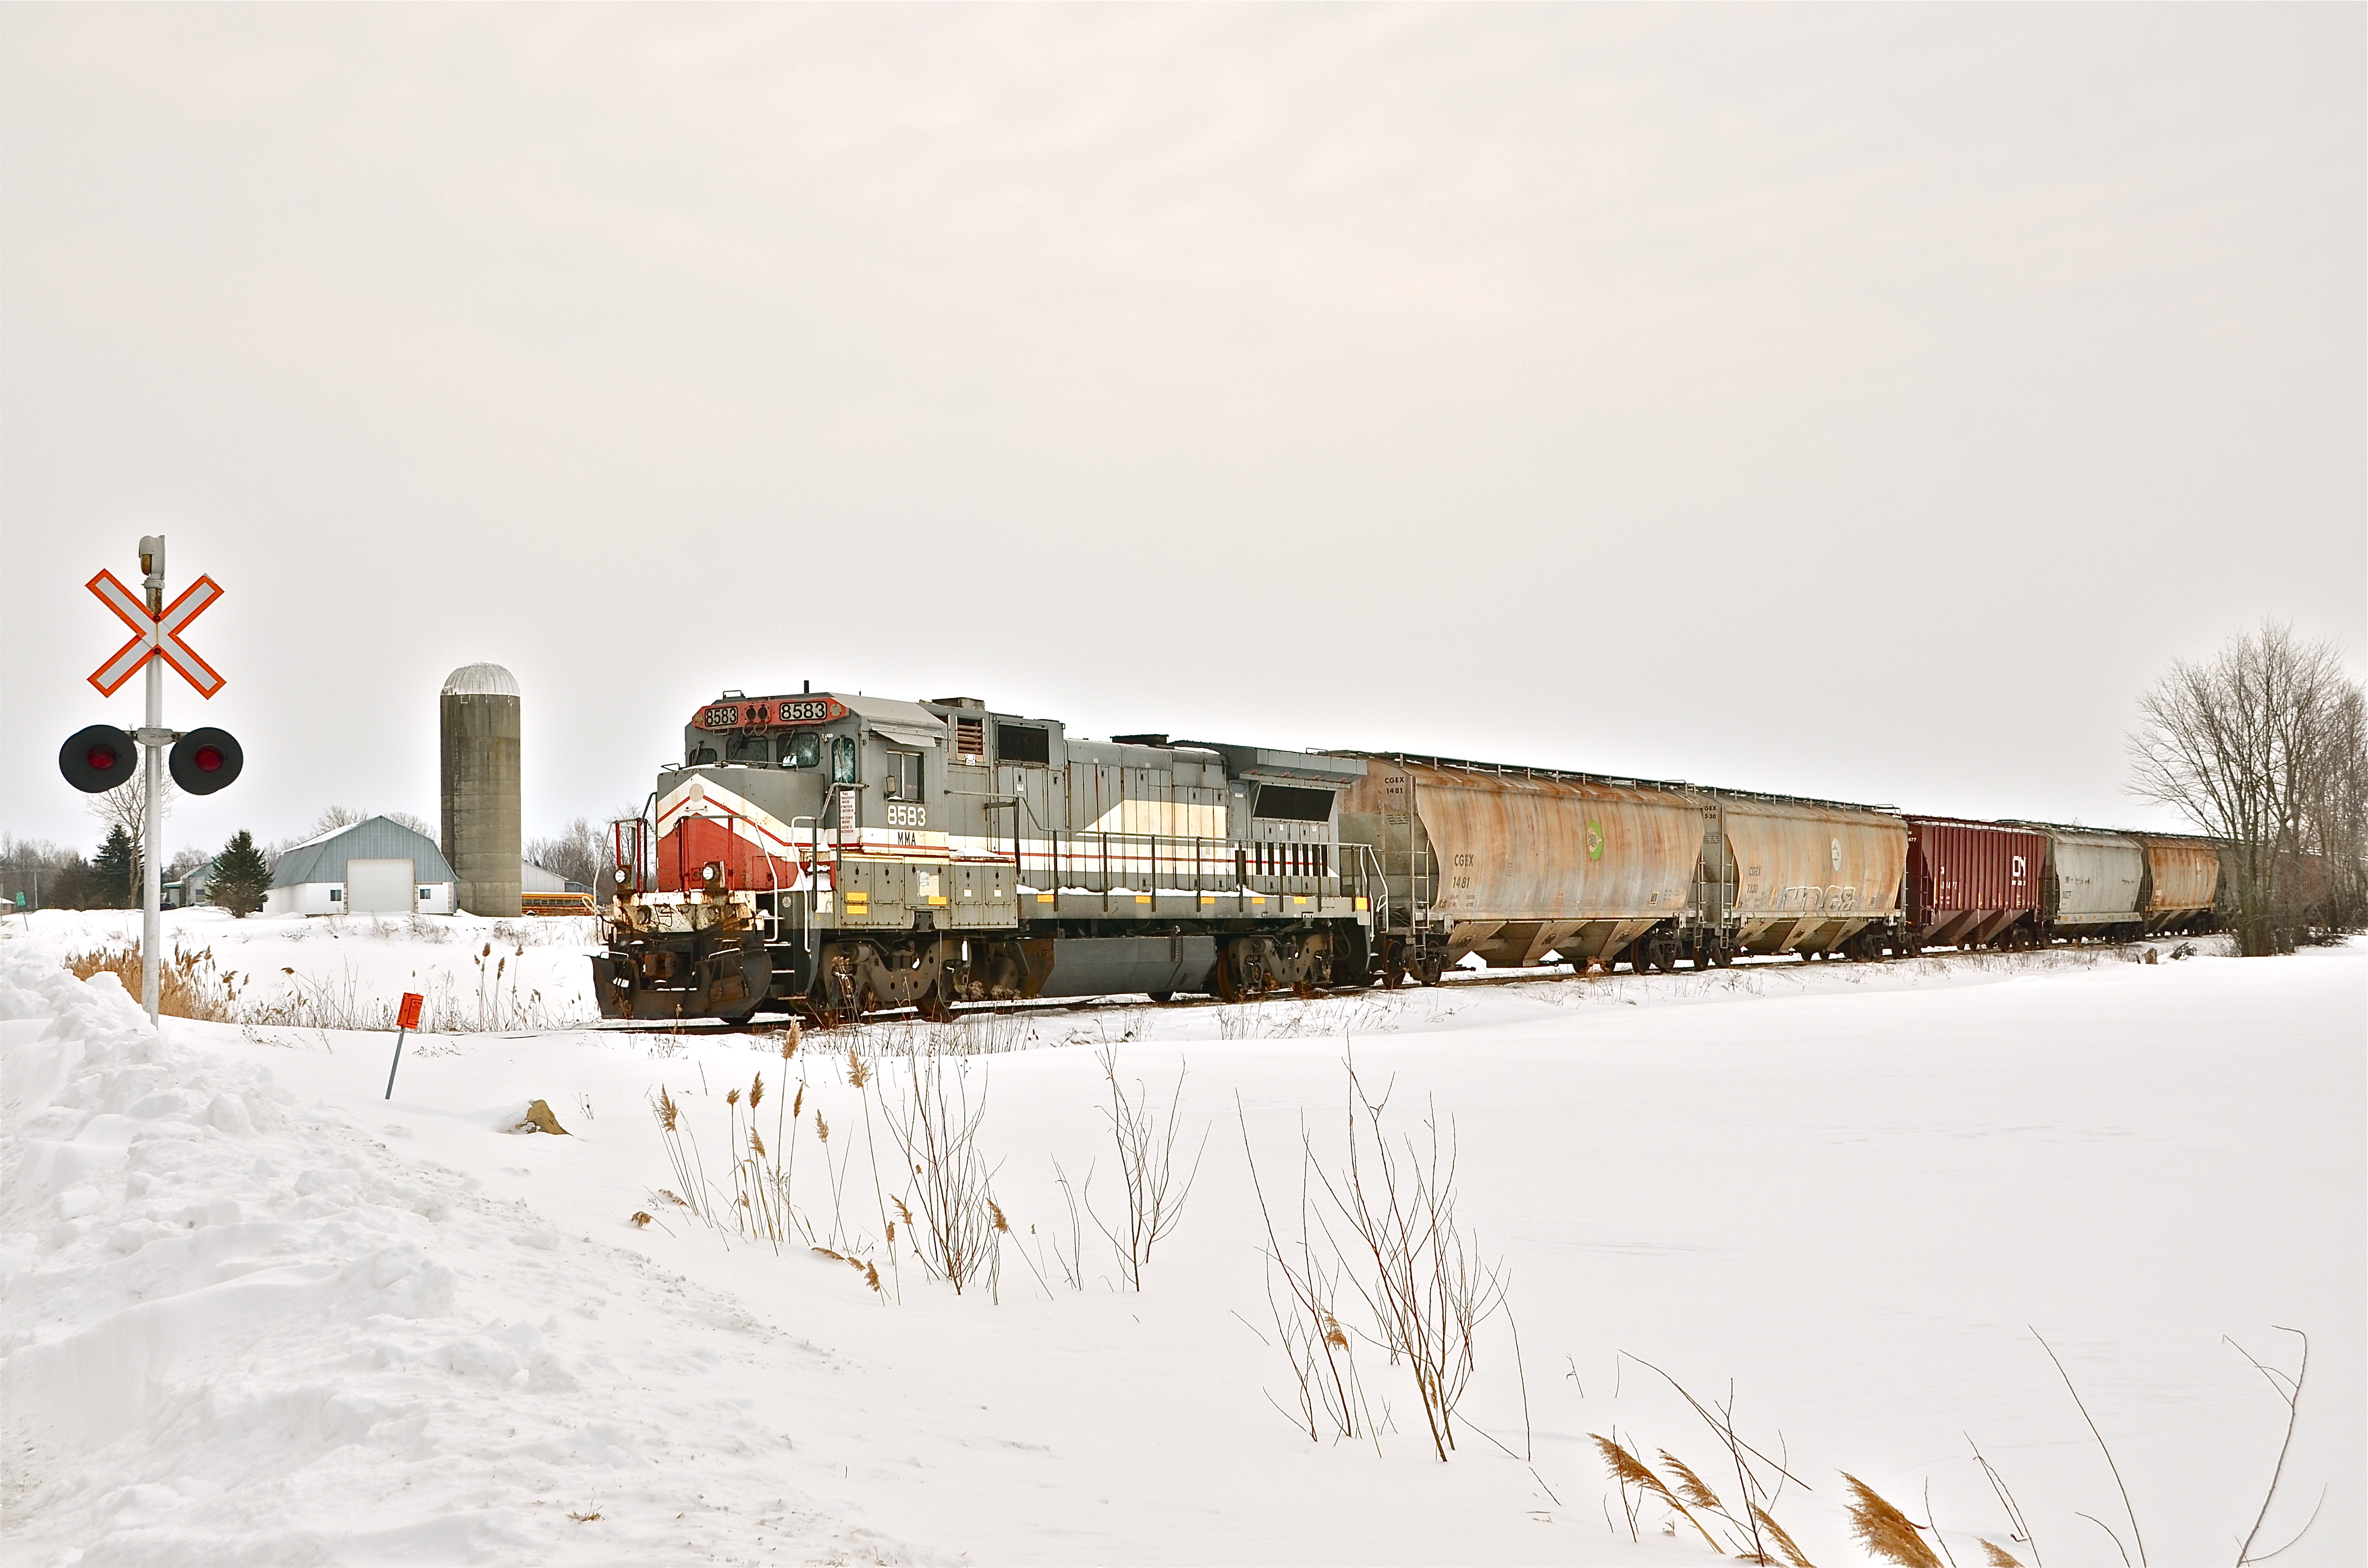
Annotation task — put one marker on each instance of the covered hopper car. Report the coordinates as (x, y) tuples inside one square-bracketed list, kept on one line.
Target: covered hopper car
[(2094, 885), (2182, 882), (1973, 884)]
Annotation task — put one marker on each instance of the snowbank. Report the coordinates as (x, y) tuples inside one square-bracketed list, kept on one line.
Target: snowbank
[(317, 1326), (243, 1331)]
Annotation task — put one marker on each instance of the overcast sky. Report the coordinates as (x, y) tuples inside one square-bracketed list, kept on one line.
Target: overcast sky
[(1859, 401)]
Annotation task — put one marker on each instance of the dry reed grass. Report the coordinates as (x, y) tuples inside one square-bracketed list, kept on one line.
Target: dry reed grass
[(189, 984), (1630, 1470), (1888, 1534)]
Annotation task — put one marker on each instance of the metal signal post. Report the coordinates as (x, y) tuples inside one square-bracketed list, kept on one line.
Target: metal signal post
[(151, 747)]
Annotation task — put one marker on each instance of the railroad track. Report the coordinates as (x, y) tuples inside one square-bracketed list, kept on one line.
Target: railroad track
[(1453, 981)]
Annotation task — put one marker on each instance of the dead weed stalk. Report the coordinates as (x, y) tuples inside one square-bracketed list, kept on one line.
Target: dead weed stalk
[(1152, 1203)]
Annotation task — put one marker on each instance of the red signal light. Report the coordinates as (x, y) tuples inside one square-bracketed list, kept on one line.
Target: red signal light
[(96, 758), (206, 761)]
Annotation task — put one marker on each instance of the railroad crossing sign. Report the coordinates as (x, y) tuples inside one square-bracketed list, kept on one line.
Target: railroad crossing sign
[(155, 634), (99, 757)]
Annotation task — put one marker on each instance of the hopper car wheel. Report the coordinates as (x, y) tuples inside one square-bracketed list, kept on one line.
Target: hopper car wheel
[(1428, 968), (1161, 997)]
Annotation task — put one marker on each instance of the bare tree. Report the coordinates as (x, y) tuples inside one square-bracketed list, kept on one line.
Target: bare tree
[(126, 806), (2247, 746), (2335, 811), (579, 852), (331, 819)]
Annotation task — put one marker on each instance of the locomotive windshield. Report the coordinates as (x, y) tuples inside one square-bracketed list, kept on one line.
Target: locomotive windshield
[(802, 748)]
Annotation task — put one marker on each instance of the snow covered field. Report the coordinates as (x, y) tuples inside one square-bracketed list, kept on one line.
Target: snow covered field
[(256, 1313)]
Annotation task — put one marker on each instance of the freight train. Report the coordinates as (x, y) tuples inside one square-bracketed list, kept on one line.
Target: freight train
[(831, 854)]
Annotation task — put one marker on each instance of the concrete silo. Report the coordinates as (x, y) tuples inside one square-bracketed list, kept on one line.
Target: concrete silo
[(483, 836)]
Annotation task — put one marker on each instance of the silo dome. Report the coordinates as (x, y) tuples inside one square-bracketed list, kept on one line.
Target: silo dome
[(480, 680)]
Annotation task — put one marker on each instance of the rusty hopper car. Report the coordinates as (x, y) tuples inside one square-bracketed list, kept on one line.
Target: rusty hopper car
[(1972, 884), (830, 854), (2182, 881), (1813, 876), (1514, 864), (2094, 885)]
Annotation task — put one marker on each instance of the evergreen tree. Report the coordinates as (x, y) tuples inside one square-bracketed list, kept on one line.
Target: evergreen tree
[(115, 872), (241, 879)]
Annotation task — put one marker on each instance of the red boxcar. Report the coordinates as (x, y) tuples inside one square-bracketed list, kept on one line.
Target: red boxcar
[(1972, 882)]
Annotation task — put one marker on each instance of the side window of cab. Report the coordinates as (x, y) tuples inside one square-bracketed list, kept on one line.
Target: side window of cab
[(842, 760)]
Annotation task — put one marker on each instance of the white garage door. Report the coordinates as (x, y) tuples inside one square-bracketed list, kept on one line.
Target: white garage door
[(379, 887)]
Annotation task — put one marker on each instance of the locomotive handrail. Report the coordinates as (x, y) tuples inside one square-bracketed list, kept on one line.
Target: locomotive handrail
[(1103, 862)]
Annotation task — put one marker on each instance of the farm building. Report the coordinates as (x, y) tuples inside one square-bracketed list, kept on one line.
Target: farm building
[(189, 891), (373, 867), (545, 891)]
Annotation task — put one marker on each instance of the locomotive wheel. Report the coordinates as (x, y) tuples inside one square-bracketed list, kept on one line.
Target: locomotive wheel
[(834, 991), (1230, 986), (937, 1004)]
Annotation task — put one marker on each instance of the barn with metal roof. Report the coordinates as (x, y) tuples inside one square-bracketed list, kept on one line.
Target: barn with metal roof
[(373, 867)]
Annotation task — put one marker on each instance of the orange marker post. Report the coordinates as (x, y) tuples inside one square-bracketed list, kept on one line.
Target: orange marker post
[(406, 1018)]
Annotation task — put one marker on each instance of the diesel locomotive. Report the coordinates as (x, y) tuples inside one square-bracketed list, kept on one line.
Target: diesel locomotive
[(833, 855)]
